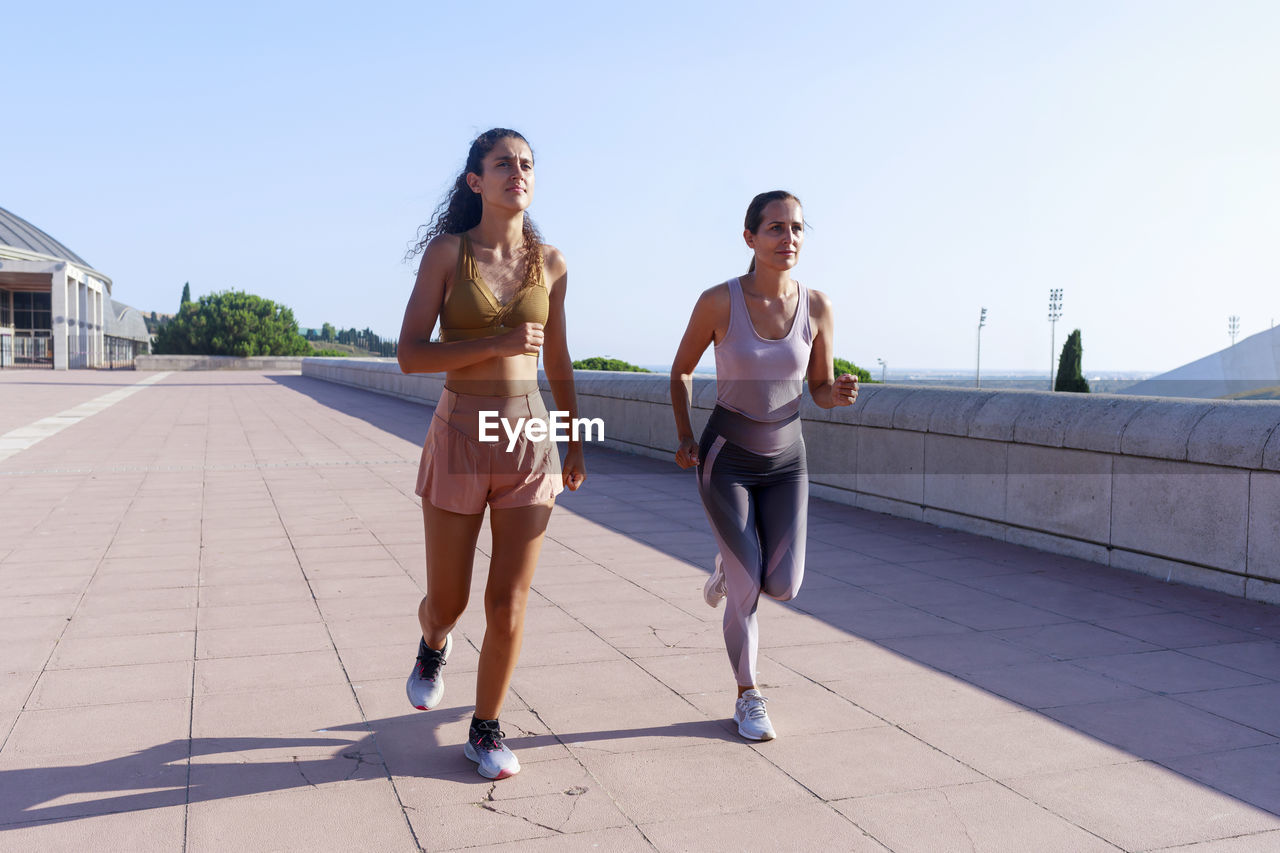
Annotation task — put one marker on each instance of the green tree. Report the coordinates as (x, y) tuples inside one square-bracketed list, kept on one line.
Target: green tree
[(327, 332), (232, 323), (1070, 375), (842, 365), (597, 362), (186, 295)]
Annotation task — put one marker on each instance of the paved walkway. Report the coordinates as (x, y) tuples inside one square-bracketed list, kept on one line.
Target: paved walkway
[(207, 594)]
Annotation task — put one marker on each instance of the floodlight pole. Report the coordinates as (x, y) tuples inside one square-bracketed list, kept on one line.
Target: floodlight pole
[(1055, 314), (883, 366), (1233, 327), (982, 321)]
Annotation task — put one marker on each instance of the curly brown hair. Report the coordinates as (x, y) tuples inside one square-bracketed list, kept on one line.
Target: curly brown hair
[(461, 209)]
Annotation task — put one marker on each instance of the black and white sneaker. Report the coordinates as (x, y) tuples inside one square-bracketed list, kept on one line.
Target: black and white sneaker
[(425, 686), (485, 747)]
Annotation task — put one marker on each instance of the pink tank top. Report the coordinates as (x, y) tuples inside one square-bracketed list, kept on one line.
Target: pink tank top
[(756, 377)]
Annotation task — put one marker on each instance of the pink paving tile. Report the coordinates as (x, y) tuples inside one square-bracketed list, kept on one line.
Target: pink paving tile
[(1158, 727), (272, 639), (1168, 672), (1052, 684), (920, 695), (963, 653), (153, 830), (1176, 630), (882, 760), (294, 711), (95, 728), (15, 687), (1021, 744), (1073, 640), (800, 826), (978, 816), (237, 674), (1258, 657), (255, 615), (122, 650), (671, 784), (1257, 706), (356, 815), (1248, 774), (104, 685), (1143, 806)]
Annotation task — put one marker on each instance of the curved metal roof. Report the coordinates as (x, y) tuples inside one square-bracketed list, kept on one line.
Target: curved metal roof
[(21, 234), (125, 321)]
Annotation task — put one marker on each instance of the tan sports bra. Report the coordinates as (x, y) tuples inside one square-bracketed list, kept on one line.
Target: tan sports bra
[(471, 310)]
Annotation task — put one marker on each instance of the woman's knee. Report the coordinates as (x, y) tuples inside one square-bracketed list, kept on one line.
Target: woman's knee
[(443, 611), (504, 614)]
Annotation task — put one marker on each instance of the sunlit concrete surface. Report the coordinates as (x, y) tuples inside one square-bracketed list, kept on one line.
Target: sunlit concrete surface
[(207, 594)]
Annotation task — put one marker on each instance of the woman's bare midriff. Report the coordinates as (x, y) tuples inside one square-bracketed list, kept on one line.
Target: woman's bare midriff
[(506, 376)]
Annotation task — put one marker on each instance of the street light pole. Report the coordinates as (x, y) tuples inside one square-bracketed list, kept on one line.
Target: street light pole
[(1055, 314), (1233, 327), (982, 321), (883, 367)]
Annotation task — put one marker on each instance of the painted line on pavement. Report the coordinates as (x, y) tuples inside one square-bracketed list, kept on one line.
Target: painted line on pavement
[(17, 440)]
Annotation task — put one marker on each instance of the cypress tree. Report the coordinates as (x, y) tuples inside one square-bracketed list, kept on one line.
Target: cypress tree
[(186, 295), (1070, 374)]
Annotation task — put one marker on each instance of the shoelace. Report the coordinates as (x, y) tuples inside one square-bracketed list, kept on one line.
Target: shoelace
[(755, 707), (429, 662), (486, 738)]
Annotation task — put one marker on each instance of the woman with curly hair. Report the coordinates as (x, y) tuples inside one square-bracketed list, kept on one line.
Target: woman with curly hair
[(770, 334), (498, 293)]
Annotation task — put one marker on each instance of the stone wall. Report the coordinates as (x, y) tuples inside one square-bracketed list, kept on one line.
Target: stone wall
[(217, 362), (1180, 489)]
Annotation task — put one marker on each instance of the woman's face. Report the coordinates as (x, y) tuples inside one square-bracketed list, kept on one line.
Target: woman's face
[(507, 181), (778, 240)]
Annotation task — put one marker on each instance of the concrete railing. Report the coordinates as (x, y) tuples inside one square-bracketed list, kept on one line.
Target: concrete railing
[(1182, 490), (218, 362)]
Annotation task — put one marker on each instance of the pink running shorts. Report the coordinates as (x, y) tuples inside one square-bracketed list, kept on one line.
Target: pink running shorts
[(459, 473)]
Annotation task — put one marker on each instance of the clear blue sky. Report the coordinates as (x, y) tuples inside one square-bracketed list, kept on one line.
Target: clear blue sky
[(950, 155)]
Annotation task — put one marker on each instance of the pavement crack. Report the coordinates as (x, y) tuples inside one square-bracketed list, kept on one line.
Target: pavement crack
[(493, 808), (298, 766)]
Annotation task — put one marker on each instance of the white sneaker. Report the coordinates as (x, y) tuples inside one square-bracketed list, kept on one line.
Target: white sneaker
[(752, 718), (713, 591), (493, 758), (425, 686)]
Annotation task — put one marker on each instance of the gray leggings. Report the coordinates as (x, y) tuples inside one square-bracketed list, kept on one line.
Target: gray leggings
[(758, 508)]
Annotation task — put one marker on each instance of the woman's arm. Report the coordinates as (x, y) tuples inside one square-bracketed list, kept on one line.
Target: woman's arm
[(704, 324), (417, 353), (827, 392), (558, 366)]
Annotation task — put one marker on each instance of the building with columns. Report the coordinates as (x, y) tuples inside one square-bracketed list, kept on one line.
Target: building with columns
[(53, 304)]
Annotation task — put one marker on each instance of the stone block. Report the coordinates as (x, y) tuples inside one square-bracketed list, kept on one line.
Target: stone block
[(891, 464), (1044, 418), (917, 411), (966, 475), (1060, 491), (1162, 428), (1058, 545), (1271, 453), (1260, 590), (956, 417), (1173, 571), (833, 453), (879, 405), (1100, 423), (1234, 433), (964, 523), (996, 419), (889, 506), (1183, 511), (1264, 525)]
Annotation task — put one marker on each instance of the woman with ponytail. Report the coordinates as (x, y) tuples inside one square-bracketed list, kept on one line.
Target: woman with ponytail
[(498, 293), (770, 333)]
